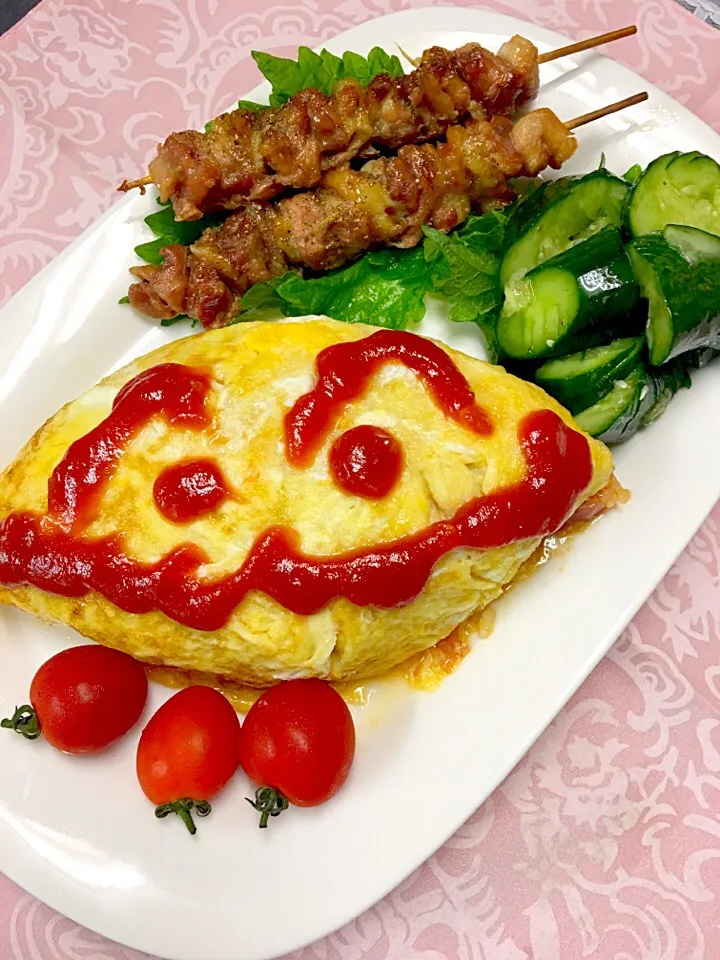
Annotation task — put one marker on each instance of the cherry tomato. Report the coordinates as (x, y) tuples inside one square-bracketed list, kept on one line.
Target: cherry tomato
[(188, 752), (298, 743), (83, 699)]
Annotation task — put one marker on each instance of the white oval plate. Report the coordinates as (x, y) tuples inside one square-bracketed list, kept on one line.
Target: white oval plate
[(78, 833)]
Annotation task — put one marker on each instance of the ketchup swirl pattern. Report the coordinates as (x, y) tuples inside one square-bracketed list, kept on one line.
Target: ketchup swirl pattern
[(168, 390), (51, 553), (344, 371)]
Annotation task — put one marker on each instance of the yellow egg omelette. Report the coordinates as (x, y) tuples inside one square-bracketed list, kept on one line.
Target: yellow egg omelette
[(289, 499)]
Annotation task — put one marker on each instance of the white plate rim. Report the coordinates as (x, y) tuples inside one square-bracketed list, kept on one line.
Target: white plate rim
[(78, 909)]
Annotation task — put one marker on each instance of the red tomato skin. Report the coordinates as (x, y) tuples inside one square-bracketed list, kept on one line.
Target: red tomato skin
[(189, 747), (299, 737), (88, 697)]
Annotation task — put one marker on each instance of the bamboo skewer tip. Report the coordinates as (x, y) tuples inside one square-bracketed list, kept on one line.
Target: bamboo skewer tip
[(143, 182), (588, 44), (566, 51), (607, 111)]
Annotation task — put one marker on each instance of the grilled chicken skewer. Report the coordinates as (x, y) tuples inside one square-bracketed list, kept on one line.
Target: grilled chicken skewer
[(352, 211), (248, 156)]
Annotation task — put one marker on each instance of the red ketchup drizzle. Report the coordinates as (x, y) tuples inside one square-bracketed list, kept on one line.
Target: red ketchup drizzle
[(366, 461), (49, 553), (344, 372), (185, 491), (173, 392)]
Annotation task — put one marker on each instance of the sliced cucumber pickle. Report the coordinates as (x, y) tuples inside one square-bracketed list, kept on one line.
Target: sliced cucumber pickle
[(695, 245), (568, 301), (538, 313), (580, 380), (679, 275), (677, 188), (665, 383), (557, 216), (634, 402), (616, 416)]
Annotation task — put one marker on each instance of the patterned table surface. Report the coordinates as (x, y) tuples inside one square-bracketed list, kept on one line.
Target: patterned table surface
[(605, 840)]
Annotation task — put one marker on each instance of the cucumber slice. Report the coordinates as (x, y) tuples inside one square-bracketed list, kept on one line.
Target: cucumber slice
[(584, 257), (665, 383), (695, 245), (538, 314), (572, 294), (679, 275), (528, 208), (634, 402), (580, 380), (681, 188), (608, 419), (559, 215)]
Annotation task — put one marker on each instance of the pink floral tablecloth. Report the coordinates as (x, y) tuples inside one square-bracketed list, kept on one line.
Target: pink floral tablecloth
[(605, 840)]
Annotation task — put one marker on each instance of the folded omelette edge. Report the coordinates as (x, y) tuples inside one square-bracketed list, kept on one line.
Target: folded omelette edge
[(258, 371)]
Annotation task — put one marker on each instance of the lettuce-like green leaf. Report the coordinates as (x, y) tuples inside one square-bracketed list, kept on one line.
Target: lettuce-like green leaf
[(486, 232), (150, 251), (168, 230), (321, 70), (171, 321), (163, 224), (363, 69), (386, 288), (251, 106), (465, 268)]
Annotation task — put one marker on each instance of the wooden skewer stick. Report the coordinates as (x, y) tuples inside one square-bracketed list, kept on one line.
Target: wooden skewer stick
[(586, 44), (561, 51), (132, 184), (606, 111)]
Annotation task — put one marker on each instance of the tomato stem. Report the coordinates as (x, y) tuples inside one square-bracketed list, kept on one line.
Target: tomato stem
[(24, 721), (269, 802), (182, 808)]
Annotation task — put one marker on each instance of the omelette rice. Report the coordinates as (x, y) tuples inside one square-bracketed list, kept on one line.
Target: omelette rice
[(256, 375)]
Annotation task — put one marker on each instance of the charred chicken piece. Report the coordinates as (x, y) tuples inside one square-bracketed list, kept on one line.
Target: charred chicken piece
[(352, 211), (255, 156)]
